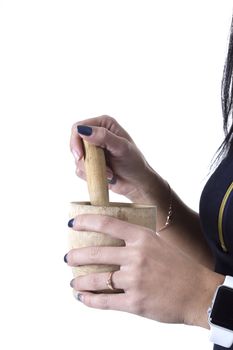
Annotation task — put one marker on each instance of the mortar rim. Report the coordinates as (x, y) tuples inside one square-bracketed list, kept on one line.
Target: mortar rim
[(118, 204)]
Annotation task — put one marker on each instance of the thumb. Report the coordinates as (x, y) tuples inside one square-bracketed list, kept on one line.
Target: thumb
[(102, 137)]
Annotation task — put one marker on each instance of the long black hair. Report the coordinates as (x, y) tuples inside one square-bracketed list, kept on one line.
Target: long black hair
[(227, 101)]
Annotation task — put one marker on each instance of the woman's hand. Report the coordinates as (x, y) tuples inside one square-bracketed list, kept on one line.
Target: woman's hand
[(159, 281), (128, 172)]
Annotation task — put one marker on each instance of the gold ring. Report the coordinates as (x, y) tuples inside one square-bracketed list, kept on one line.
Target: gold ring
[(109, 281)]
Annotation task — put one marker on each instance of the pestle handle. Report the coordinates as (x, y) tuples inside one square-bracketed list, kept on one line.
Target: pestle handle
[(95, 166)]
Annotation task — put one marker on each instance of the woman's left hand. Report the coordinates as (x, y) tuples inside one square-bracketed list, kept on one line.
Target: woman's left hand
[(159, 281)]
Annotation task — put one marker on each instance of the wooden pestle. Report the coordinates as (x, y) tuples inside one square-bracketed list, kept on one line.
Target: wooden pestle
[(95, 166)]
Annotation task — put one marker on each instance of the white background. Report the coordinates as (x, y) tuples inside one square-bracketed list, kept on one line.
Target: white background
[(155, 66)]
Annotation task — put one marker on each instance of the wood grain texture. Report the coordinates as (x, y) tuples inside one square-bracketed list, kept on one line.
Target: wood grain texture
[(95, 167), (144, 215)]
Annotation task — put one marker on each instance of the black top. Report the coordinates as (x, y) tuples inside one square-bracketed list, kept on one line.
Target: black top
[(216, 215)]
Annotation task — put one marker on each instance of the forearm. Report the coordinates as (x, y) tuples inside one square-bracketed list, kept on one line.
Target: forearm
[(184, 231), (207, 283)]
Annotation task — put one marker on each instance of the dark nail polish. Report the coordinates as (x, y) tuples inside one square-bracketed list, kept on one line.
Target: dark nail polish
[(72, 283), (84, 130), (113, 180), (79, 297), (65, 258), (71, 223)]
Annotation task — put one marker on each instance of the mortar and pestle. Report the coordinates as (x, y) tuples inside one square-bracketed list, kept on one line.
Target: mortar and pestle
[(139, 214)]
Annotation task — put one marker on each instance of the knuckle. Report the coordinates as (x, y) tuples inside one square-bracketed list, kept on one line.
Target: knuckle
[(112, 120), (80, 167), (126, 147), (136, 278), (79, 163), (145, 243), (104, 222), (103, 301), (136, 305), (104, 134), (95, 282), (139, 258), (78, 172), (143, 239), (108, 119), (95, 252)]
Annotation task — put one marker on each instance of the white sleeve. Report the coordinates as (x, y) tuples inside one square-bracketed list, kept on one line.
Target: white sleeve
[(219, 335)]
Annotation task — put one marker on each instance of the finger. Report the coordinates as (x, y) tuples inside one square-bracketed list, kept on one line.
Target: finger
[(104, 138), (98, 281), (81, 174), (111, 180), (103, 301), (103, 121), (81, 166), (107, 122), (97, 255), (76, 145), (110, 225)]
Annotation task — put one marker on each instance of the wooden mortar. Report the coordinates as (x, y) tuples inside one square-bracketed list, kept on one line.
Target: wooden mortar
[(139, 214)]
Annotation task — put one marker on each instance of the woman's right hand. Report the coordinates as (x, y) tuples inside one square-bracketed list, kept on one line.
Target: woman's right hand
[(129, 171)]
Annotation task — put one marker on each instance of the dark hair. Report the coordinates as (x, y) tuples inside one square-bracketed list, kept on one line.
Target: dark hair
[(227, 101)]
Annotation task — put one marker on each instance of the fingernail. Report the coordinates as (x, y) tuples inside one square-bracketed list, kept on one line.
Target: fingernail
[(75, 154), (71, 223), (84, 130), (79, 297), (72, 283), (65, 258), (113, 180)]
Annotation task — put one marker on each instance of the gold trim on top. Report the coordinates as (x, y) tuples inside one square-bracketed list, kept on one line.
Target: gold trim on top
[(220, 217)]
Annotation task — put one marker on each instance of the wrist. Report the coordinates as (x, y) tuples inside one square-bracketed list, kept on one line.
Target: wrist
[(201, 299), (148, 189), (154, 190)]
